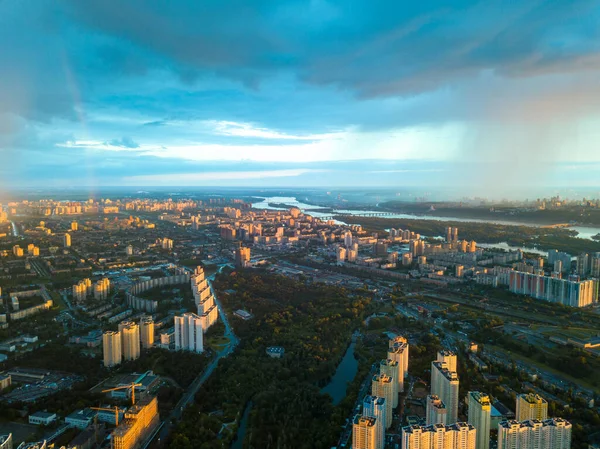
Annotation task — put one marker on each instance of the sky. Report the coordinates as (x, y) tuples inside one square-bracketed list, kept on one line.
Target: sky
[(485, 95)]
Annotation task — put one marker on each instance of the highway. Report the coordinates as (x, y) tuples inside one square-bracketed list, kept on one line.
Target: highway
[(190, 393)]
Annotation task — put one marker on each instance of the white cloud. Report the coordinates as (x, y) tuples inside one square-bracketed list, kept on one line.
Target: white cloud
[(433, 143), (227, 128), (187, 178)]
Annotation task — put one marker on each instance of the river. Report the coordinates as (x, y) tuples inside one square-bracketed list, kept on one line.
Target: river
[(238, 443), (585, 232), (344, 374)]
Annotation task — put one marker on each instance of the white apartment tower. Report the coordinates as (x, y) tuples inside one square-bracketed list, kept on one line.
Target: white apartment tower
[(375, 407), (480, 409), (204, 299), (436, 412), (147, 332), (447, 357), (531, 406), (438, 436), (389, 367), (364, 432), (398, 351), (382, 386), (444, 383), (111, 348), (130, 340), (535, 434), (189, 333)]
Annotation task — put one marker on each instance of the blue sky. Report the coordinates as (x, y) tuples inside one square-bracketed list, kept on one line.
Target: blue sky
[(481, 94)]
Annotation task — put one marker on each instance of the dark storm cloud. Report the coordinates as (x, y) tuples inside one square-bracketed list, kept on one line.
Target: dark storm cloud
[(128, 73)]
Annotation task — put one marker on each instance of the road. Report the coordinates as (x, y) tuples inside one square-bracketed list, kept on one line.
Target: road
[(190, 393), (65, 298)]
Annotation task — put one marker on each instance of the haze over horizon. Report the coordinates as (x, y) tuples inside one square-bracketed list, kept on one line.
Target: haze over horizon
[(477, 95)]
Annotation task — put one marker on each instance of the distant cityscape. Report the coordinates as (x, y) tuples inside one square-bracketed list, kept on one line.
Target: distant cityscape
[(129, 282)]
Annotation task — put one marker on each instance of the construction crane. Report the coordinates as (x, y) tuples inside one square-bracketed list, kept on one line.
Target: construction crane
[(116, 410), (132, 386)]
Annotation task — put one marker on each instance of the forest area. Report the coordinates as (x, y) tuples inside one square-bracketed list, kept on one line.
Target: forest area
[(314, 324)]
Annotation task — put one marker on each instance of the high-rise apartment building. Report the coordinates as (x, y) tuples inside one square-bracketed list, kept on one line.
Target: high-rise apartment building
[(382, 386), (111, 348), (573, 293), (147, 332), (535, 434), (583, 264), (242, 257), (452, 235), (438, 436), (595, 265), (444, 383), (130, 340), (341, 254), (166, 244), (398, 351), (436, 412), (74, 226), (67, 240), (101, 289), (364, 432), (375, 407), (81, 290), (389, 367), (189, 333), (204, 299), (531, 406), (480, 409), (448, 357)]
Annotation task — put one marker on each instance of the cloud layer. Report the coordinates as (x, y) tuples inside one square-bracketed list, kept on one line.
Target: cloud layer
[(111, 92)]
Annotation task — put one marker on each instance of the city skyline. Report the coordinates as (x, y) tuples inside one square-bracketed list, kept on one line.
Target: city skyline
[(299, 95)]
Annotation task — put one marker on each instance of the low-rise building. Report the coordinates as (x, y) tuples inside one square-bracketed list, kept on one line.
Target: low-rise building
[(275, 352), (42, 418), (80, 418), (5, 381)]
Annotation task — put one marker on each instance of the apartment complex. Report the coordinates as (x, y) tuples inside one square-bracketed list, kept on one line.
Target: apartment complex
[(438, 436), (535, 434), (563, 291)]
